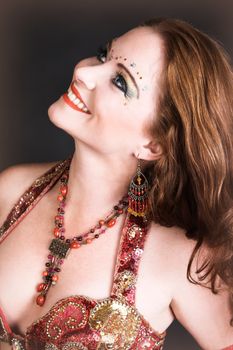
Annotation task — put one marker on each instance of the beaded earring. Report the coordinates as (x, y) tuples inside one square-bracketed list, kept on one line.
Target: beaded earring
[(138, 194)]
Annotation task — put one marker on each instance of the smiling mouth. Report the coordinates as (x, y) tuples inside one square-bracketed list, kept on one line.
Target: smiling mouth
[(73, 99)]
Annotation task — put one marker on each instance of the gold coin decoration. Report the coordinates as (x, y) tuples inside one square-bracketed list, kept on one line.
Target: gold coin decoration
[(124, 280), (117, 322)]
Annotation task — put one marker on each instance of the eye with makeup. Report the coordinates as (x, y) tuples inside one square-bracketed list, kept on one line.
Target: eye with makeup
[(119, 79)]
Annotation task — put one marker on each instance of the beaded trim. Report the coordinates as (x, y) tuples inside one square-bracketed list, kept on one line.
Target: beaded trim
[(16, 344), (3, 332), (31, 196)]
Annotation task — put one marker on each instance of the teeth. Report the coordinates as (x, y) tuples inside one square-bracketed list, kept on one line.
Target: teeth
[(72, 97), (80, 104), (76, 100)]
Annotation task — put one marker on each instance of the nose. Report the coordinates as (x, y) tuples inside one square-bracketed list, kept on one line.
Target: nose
[(86, 76)]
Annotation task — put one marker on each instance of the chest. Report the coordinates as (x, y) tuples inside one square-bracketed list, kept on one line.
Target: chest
[(87, 271)]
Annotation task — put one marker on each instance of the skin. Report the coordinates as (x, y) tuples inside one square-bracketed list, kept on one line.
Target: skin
[(107, 140), (113, 135)]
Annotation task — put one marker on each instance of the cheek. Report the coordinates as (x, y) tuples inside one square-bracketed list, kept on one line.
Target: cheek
[(118, 124)]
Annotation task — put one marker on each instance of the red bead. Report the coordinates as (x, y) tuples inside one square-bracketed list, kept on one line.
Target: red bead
[(89, 240), (60, 198), (45, 273), (111, 222), (75, 245), (55, 278), (40, 300), (63, 190), (101, 222), (56, 232), (120, 211), (40, 287)]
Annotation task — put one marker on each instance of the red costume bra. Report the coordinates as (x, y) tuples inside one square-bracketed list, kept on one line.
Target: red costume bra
[(79, 322)]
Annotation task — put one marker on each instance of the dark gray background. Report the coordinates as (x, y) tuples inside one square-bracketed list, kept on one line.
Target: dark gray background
[(41, 41)]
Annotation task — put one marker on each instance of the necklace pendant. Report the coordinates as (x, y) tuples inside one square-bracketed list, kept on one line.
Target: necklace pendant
[(59, 248)]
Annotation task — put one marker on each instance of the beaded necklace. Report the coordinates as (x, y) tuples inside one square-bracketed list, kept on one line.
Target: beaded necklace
[(60, 246)]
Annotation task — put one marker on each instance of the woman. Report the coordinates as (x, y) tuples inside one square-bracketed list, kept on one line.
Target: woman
[(149, 184)]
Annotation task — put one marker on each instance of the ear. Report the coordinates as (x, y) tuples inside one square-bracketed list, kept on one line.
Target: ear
[(150, 151)]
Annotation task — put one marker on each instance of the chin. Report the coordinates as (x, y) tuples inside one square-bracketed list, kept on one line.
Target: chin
[(53, 112), (58, 114), (63, 117)]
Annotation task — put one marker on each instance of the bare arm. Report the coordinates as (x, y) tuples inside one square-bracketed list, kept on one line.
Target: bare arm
[(205, 315)]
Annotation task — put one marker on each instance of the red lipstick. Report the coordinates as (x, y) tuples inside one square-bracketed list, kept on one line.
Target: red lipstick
[(74, 99)]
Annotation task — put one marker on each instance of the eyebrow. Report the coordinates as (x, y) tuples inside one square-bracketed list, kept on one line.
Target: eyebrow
[(120, 65)]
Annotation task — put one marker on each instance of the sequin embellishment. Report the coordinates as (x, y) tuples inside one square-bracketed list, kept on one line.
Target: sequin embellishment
[(123, 282), (3, 331), (117, 322), (74, 346), (134, 232), (71, 345), (16, 345), (61, 322)]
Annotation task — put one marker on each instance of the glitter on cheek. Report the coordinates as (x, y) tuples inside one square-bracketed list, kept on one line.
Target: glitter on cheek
[(133, 64), (145, 88)]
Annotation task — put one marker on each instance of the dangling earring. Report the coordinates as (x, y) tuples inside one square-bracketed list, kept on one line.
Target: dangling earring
[(138, 193)]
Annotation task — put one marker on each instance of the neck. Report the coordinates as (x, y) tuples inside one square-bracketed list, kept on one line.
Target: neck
[(97, 183)]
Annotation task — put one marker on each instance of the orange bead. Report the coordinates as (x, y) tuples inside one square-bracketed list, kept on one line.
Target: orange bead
[(63, 190), (56, 232), (89, 240), (40, 300), (75, 245), (111, 222), (60, 198), (40, 287), (55, 278), (101, 222), (45, 273)]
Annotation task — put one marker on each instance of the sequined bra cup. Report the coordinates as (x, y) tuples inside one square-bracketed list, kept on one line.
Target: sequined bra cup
[(79, 322)]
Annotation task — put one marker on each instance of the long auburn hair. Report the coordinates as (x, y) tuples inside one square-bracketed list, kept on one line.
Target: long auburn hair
[(192, 183)]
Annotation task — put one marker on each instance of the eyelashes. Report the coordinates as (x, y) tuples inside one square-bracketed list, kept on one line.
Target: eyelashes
[(118, 80), (102, 54)]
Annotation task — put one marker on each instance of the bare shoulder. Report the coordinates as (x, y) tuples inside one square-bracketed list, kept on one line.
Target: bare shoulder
[(15, 180), (195, 306), (173, 246), (165, 259), (199, 310)]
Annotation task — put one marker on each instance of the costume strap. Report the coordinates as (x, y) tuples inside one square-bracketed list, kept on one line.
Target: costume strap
[(32, 196), (128, 259)]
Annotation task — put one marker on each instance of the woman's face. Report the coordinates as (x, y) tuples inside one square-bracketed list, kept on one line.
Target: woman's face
[(120, 90)]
